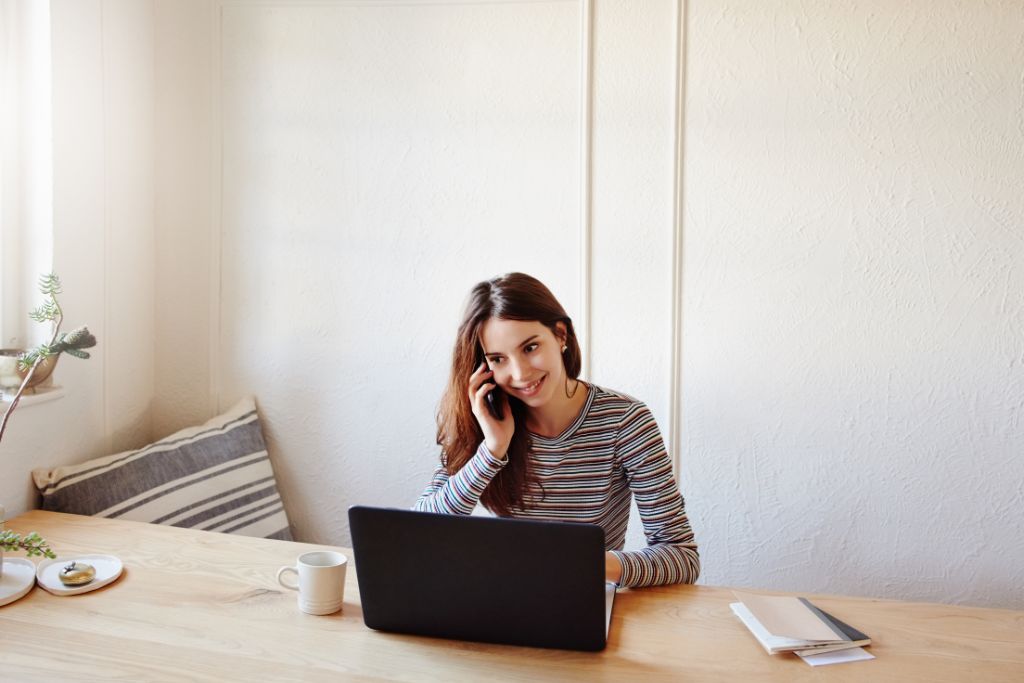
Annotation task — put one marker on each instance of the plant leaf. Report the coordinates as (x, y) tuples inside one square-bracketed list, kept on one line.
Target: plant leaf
[(49, 284)]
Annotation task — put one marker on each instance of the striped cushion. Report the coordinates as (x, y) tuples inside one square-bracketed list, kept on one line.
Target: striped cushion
[(216, 477)]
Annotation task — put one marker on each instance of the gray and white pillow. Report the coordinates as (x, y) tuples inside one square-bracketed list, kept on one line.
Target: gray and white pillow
[(215, 477)]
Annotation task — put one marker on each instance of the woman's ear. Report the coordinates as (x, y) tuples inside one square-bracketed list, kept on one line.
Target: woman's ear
[(561, 332)]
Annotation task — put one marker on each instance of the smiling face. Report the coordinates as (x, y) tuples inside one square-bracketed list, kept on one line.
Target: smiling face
[(526, 358)]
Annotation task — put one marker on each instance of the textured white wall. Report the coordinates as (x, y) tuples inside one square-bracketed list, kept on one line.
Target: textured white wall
[(851, 312), (378, 160), (854, 377), (103, 185)]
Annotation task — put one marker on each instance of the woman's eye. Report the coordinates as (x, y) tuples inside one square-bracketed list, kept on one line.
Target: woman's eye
[(531, 347), (495, 361)]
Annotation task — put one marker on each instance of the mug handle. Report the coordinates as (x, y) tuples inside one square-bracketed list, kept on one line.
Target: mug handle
[(280, 577)]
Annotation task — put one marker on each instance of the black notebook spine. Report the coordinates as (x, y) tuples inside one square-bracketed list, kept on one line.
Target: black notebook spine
[(842, 630)]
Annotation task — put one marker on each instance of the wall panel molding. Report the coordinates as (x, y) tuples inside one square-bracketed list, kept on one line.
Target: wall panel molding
[(216, 198), (676, 364), (586, 181)]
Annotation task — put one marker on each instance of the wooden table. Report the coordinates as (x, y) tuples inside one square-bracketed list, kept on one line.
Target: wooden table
[(195, 605)]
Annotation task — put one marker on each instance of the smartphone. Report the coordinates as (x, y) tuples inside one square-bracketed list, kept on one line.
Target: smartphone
[(495, 397)]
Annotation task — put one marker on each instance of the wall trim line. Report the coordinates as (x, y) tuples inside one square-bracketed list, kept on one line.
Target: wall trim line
[(676, 369), (583, 328)]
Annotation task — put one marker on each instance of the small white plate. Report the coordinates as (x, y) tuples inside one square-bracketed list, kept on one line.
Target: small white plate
[(108, 568), (18, 578)]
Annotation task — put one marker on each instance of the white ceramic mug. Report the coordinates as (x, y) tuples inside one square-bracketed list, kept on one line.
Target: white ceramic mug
[(321, 583)]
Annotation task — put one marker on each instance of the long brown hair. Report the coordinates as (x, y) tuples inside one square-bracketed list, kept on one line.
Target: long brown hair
[(513, 296)]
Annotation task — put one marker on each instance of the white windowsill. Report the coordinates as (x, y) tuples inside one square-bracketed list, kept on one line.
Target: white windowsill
[(43, 395)]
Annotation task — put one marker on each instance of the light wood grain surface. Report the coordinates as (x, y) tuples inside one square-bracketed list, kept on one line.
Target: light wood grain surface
[(195, 605)]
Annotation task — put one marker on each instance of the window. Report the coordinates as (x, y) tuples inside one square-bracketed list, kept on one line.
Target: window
[(26, 163)]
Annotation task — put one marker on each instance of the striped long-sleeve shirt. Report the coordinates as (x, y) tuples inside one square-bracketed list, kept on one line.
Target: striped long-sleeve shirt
[(611, 452)]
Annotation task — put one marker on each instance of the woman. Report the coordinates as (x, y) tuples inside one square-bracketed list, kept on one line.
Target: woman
[(553, 447)]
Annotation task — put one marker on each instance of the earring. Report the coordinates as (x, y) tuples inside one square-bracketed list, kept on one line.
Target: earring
[(564, 348)]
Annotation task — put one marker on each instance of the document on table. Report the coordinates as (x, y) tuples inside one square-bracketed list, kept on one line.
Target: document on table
[(856, 654)]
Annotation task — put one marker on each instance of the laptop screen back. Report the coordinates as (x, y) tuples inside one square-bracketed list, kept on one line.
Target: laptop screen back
[(485, 579)]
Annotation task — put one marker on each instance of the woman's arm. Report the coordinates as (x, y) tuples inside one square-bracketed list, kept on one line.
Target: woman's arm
[(671, 552), (458, 494)]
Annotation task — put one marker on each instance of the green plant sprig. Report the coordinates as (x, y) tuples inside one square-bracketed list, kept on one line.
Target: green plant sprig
[(48, 311), (33, 544)]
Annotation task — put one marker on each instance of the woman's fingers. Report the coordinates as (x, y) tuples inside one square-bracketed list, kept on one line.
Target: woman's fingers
[(482, 391), (477, 379), (478, 374), (497, 433)]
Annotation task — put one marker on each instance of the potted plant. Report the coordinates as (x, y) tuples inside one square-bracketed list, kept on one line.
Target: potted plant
[(43, 358), (32, 364)]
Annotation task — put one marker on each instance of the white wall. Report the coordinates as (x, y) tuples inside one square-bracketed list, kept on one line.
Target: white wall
[(368, 153), (185, 239), (854, 377), (852, 257), (103, 187), (360, 190)]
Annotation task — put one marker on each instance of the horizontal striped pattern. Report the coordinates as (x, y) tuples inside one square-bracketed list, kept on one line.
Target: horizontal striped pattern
[(612, 453), (215, 477)]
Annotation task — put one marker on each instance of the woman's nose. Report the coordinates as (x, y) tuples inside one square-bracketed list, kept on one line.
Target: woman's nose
[(515, 370)]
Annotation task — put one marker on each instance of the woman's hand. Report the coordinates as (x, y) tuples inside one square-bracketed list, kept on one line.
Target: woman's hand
[(497, 433), (612, 568)]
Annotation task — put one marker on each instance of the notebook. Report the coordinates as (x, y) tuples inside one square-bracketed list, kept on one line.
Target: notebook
[(794, 624), (493, 580)]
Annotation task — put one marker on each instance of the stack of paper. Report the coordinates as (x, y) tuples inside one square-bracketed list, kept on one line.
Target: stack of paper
[(791, 624)]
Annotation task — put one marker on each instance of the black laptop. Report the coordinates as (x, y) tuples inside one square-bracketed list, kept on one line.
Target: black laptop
[(493, 580)]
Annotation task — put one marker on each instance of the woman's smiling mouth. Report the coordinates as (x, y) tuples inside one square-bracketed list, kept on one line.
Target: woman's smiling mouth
[(530, 389)]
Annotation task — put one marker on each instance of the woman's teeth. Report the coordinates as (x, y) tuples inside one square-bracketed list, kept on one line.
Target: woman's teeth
[(532, 388)]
